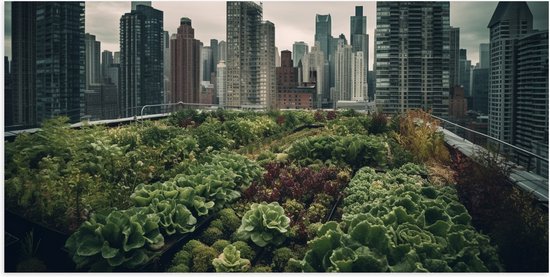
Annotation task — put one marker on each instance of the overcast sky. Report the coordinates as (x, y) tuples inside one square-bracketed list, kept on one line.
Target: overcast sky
[(294, 21)]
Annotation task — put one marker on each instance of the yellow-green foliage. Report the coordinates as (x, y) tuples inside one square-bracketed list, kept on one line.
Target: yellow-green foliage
[(229, 219), (418, 133), (211, 235)]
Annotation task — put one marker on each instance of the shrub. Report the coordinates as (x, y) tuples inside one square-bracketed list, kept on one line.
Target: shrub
[(211, 235), (219, 245), (229, 219), (245, 250), (281, 256)]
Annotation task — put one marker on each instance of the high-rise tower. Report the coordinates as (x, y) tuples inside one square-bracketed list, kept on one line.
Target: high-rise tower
[(510, 21), (412, 56), (249, 44), (185, 64), (141, 59)]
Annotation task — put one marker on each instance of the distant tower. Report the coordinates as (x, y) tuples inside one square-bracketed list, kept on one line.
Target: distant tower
[(185, 64), (454, 67), (299, 49), (141, 60), (359, 41), (342, 76), (221, 82), (327, 45), (106, 63), (93, 69)]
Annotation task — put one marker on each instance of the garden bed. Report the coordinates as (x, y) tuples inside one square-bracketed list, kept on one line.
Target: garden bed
[(242, 191)]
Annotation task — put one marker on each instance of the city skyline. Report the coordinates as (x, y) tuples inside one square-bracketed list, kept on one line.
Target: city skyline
[(209, 21)]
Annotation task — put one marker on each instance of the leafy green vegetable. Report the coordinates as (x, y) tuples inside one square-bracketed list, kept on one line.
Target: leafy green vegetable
[(230, 261), (264, 224)]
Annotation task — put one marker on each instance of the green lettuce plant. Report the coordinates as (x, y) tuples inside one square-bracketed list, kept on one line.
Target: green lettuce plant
[(230, 261), (173, 218), (264, 224), (123, 239)]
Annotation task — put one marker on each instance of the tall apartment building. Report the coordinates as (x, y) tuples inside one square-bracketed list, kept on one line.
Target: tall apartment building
[(250, 56), (510, 21), (412, 56), (299, 50), (358, 77), (141, 60), (215, 54), (93, 65), (359, 40), (342, 77), (8, 95), (268, 62), (531, 99), (185, 64), (48, 61)]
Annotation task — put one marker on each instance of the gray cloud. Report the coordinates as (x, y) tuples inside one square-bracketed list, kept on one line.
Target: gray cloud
[(294, 21)]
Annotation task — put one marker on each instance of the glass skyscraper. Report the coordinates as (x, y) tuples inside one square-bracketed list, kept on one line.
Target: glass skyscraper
[(141, 60)]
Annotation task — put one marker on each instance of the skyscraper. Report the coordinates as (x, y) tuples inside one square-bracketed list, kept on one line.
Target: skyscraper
[(222, 50), (106, 63), (464, 72), (23, 66), (206, 63), (313, 68), (141, 60), (185, 64), (531, 99), (327, 45), (166, 67), (509, 21), (454, 67), (246, 36), (268, 62), (484, 57), (299, 49), (358, 77), (60, 60), (215, 55), (359, 41), (412, 56), (8, 95), (342, 77), (221, 82), (93, 67)]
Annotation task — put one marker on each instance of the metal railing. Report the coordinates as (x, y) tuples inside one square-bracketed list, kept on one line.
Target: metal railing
[(172, 104), (514, 147)]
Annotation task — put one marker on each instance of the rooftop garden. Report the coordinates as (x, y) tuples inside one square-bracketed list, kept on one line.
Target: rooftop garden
[(235, 191)]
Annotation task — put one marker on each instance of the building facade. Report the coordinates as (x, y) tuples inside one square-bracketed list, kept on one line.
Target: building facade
[(141, 60), (412, 56), (185, 64), (531, 99), (106, 63), (93, 65), (221, 82), (250, 60), (60, 60), (454, 65), (23, 66), (510, 21)]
